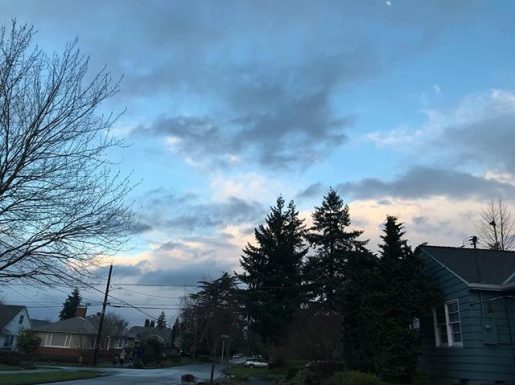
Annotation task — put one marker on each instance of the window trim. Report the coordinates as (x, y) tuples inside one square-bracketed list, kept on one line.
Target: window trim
[(67, 340), (450, 332), (448, 326)]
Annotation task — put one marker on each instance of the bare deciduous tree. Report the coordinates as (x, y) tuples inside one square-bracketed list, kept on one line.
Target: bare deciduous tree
[(61, 202), (496, 227)]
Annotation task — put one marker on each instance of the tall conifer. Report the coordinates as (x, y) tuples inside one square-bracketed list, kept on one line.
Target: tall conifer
[(401, 295), (332, 242), (70, 305), (272, 271)]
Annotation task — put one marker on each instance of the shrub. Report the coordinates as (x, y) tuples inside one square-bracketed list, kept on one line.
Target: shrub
[(28, 341), (316, 372), (137, 364), (12, 358), (420, 379), (292, 372), (353, 378)]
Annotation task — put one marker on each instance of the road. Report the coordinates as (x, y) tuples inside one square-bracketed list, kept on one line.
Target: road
[(165, 376)]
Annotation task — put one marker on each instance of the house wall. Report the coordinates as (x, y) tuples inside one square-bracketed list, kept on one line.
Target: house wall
[(78, 345), (480, 359), (19, 322)]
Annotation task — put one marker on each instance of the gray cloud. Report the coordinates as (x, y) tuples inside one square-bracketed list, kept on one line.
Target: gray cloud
[(262, 82), (422, 182), (488, 141), (312, 191), (189, 274), (188, 216)]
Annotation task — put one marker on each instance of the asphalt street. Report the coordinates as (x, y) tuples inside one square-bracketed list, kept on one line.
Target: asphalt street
[(165, 376)]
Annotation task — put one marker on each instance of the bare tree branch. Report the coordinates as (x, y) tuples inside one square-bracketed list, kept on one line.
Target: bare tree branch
[(61, 203), (496, 227)]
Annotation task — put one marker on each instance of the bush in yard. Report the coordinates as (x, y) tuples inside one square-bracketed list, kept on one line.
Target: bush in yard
[(28, 341), (316, 372), (353, 378), (138, 364)]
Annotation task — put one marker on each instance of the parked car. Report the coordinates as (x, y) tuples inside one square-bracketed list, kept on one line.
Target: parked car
[(256, 363)]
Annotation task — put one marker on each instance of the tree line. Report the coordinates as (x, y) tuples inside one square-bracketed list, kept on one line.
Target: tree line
[(317, 293)]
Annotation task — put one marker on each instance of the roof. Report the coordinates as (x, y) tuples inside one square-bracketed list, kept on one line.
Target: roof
[(143, 332), (39, 322), (476, 266), (7, 313), (75, 325)]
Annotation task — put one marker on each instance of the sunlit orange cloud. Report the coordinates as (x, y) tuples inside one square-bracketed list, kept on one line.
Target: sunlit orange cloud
[(437, 221)]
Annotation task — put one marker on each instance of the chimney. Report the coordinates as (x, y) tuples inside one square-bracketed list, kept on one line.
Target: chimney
[(81, 311)]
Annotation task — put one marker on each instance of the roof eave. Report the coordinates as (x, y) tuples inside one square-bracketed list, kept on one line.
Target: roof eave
[(491, 287)]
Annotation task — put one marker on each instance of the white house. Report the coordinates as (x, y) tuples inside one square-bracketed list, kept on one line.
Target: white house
[(12, 319)]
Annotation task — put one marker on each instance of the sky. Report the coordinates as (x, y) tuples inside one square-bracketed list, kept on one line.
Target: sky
[(405, 108)]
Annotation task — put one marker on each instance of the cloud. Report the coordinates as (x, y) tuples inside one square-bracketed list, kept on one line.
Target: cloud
[(482, 132), (277, 123), (476, 133), (187, 215), (422, 182), (312, 191)]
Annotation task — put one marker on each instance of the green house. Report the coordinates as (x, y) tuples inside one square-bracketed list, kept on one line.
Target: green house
[(470, 337)]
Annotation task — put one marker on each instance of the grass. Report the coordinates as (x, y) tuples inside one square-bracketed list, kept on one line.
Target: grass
[(41, 378), (242, 373), (8, 367)]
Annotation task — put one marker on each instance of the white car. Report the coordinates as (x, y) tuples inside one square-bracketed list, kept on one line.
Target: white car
[(256, 363)]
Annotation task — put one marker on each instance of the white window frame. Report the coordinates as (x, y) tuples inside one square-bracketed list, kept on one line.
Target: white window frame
[(67, 340), (450, 332), (451, 342)]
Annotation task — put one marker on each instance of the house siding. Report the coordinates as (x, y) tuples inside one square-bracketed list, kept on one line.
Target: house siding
[(14, 327), (487, 354)]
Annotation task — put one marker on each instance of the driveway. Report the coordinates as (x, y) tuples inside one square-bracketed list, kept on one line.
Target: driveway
[(165, 376)]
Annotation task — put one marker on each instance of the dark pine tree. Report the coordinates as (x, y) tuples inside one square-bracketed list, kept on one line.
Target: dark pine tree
[(161, 320), (272, 271), (401, 294), (333, 243), (70, 305)]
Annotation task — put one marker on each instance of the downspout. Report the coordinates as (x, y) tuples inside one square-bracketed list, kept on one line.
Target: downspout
[(509, 330)]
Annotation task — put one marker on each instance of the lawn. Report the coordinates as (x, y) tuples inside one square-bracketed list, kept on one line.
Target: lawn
[(41, 378), (241, 372), (8, 367)]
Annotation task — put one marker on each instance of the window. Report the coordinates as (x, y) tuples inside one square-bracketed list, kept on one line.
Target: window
[(119, 343), (452, 316), (58, 340), (20, 321), (9, 341), (447, 325)]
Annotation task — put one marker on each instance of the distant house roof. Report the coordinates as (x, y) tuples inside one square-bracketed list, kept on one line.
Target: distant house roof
[(75, 325), (39, 322), (7, 313), (476, 266), (143, 333)]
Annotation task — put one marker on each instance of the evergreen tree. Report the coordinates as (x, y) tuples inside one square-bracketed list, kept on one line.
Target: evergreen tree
[(272, 271), (70, 305), (175, 331), (333, 243), (354, 301), (218, 311), (401, 294), (161, 320)]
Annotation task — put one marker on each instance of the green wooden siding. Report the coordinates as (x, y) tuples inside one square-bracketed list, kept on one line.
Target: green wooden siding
[(487, 354)]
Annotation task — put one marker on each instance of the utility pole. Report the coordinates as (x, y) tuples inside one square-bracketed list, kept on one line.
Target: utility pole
[(97, 342)]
